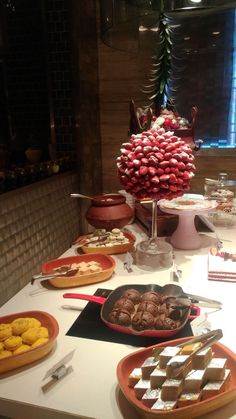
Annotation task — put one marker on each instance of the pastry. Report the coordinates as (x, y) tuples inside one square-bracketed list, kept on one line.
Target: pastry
[(42, 332), (160, 322), (126, 304), (20, 325), (141, 387), (188, 349), (148, 366), (21, 349), (171, 389), (150, 396), (212, 388), (216, 369), (148, 306), (120, 316), (186, 399), (143, 320), (152, 296), (12, 343), (132, 294), (194, 381), (30, 336), (164, 405), (134, 377), (33, 322), (39, 342), (157, 377), (5, 354), (178, 360), (167, 354), (201, 359), (5, 331), (169, 324)]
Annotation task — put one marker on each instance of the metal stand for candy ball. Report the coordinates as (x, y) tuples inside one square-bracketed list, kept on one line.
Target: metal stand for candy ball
[(154, 254)]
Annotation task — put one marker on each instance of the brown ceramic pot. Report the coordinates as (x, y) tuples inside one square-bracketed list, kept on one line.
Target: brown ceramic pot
[(109, 211)]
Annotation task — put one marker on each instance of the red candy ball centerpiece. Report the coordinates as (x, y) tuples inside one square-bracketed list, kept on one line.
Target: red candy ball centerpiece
[(155, 164)]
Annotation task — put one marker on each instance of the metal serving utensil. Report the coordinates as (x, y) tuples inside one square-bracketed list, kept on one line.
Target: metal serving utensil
[(208, 339), (44, 277), (95, 240)]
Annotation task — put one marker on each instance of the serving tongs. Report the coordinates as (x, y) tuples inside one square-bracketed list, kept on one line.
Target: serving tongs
[(66, 273), (177, 292), (207, 339), (94, 239)]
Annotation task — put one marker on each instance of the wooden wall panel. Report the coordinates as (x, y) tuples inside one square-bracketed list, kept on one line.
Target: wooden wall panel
[(121, 78)]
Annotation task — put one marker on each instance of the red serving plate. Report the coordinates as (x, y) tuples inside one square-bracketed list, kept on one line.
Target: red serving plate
[(134, 360), (106, 262), (34, 354), (111, 250)]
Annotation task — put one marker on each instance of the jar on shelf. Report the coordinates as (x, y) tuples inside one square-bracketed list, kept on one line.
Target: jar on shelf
[(223, 191)]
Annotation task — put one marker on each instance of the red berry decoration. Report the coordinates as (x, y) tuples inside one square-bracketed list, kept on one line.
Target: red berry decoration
[(155, 164)]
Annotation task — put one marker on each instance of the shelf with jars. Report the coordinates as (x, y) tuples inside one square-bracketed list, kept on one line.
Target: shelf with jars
[(14, 177)]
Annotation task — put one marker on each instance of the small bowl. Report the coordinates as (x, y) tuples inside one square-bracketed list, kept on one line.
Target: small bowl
[(34, 354)]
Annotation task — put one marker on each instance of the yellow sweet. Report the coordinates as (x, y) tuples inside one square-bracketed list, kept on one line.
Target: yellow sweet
[(30, 336), (33, 322), (13, 342), (39, 342), (20, 325), (5, 354), (42, 332), (21, 349), (5, 331)]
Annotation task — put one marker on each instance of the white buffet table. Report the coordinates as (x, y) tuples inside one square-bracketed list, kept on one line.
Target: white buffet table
[(91, 390)]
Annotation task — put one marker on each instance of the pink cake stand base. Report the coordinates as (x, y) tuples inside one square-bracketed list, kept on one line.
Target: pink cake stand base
[(185, 237)]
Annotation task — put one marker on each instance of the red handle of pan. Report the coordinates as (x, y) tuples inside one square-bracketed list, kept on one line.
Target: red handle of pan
[(197, 312), (92, 298)]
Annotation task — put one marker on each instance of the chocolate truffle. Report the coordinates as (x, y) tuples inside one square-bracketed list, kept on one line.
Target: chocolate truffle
[(163, 309), (151, 296), (159, 323), (126, 304), (143, 320), (120, 316), (148, 306), (170, 324), (132, 294)]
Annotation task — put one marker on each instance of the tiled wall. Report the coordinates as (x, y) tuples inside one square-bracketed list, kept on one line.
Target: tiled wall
[(36, 224)]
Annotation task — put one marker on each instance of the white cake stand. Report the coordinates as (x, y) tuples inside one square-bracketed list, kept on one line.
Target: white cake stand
[(186, 236)]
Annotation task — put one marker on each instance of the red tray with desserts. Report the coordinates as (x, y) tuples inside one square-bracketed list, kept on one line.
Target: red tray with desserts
[(190, 407), (147, 310)]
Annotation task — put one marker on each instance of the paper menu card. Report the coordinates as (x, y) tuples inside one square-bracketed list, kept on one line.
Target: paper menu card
[(222, 265)]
